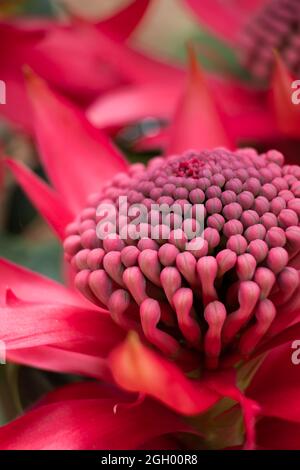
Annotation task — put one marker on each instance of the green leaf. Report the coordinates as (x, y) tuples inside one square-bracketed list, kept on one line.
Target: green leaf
[(9, 398), (42, 257)]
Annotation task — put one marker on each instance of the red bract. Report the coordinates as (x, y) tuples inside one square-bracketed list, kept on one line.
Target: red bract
[(174, 335)]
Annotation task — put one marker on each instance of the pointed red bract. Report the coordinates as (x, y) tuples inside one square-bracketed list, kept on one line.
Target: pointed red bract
[(197, 124), (77, 157), (47, 202), (19, 49)]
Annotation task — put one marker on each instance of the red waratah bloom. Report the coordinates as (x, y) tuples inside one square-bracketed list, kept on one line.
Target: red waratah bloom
[(183, 344), (255, 29)]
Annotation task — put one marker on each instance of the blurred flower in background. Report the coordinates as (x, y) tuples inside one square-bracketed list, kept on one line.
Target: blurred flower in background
[(255, 29)]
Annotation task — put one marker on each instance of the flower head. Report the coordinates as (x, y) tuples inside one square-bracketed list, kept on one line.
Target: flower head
[(213, 290), (274, 27)]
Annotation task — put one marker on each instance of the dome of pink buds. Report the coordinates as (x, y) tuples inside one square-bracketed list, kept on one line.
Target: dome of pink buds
[(194, 252), (275, 27)]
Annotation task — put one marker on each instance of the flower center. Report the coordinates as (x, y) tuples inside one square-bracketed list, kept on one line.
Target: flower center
[(275, 27), (194, 252)]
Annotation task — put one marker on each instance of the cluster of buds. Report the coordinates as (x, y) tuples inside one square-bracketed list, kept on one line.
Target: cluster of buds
[(216, 293), (275, 28)]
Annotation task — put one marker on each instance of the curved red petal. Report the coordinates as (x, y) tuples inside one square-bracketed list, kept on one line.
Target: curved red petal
[(132, 103), (276, 434), (137, 369), (34, 287), (77, 157), (278, 392), (28, 324), (85, 391), (55, 359), (89, 424), (20, 42), (47, 202)]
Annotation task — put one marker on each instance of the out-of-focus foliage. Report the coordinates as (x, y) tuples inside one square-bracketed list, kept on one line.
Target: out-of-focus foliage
[(43, 257), (25, 7)]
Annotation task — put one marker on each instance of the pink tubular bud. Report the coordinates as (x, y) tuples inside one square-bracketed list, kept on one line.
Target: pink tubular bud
[(207, 269), (226, 260), (288, 282), (183, 304), (287, 218), (167, 254), (135, 283), (275, 236), (150, 266), (72, 244), (277, 259), (215, 316), (129, 256), (265, 279), (247, 297), (101, 285), (95, 259), (171, 281), (81, 283), (186, 264), (258, 249), (118, 305), (237, 243), (265, 313), (150, 317), (245, 267), (114, 267)]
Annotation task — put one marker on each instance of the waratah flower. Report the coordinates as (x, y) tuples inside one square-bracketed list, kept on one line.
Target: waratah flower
[(255, 29), (185, 341)]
